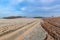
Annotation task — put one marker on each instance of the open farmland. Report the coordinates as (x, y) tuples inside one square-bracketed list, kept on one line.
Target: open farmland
[(30, 29), (52, 26), (22, 29)]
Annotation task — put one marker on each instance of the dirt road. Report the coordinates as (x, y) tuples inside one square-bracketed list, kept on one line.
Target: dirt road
[(22, 29)]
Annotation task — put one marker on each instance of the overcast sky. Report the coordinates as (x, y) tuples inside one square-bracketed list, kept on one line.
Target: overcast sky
[(29, 8)]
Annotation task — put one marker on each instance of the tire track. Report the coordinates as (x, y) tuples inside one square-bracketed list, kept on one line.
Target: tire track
[(34, 33), (20, 37), (4, 32), (14, 34)]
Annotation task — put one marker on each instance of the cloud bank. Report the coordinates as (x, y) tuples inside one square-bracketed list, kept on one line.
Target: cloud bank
[(30, 7)]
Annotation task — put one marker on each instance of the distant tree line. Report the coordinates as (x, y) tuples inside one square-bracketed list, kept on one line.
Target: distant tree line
[(13, 17), (38, 17)]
